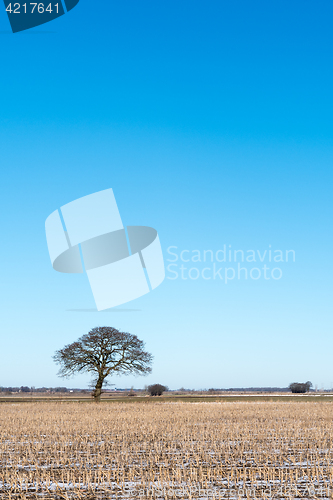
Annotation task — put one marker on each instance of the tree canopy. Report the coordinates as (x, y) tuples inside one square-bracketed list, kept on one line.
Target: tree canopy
[(104, 351)]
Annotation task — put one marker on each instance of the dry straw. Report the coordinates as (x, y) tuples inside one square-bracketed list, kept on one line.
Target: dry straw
[(166, 450)]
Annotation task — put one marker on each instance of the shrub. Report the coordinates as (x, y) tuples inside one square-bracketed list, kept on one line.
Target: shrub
[(24, 389), (298, 388), (156, 389)]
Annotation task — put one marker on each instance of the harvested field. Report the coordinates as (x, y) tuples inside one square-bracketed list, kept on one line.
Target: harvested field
[(166, 450)]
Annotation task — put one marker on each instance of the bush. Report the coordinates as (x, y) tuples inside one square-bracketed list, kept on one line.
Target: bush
[(24, 389), (156, 389), (298, 388)]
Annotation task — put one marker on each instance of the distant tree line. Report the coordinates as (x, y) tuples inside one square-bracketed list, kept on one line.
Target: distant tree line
[(246, 389), (26, 389), (158, 389)]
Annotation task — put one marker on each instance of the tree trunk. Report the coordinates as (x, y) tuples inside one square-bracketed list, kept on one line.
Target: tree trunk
[(98, 389)]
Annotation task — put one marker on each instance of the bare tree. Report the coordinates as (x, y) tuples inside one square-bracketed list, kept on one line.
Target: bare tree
[(104, 351)]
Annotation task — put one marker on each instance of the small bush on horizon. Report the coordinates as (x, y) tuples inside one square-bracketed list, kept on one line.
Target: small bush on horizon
[(157, 389), (298, 388)]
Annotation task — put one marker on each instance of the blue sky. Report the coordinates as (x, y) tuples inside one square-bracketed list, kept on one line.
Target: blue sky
[(212, 122)]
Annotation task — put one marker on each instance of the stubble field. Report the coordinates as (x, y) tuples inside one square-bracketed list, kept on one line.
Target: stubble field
[(166, 450)]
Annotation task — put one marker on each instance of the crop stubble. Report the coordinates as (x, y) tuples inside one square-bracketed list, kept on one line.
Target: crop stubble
[(166, 450)]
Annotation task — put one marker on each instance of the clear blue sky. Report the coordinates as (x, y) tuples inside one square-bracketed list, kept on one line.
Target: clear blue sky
[(212, 122)]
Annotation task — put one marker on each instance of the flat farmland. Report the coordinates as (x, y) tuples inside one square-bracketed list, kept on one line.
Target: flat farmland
[(166, 449)]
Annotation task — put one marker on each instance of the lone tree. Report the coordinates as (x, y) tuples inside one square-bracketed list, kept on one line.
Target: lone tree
[(156, 389), (298, 388), (104, 351)]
